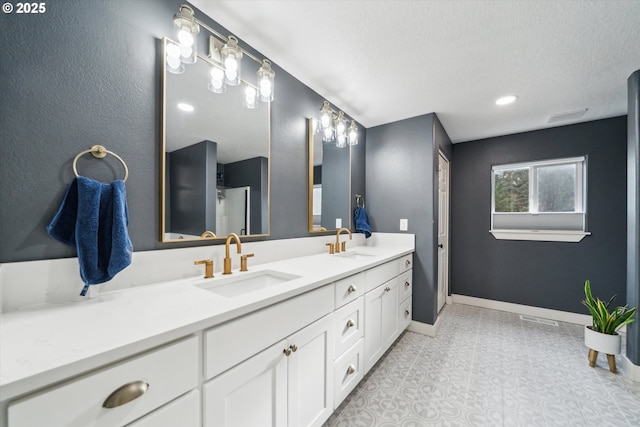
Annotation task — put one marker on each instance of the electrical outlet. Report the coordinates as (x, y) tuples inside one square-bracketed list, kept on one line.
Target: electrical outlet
[(404, 224), (338, 222)]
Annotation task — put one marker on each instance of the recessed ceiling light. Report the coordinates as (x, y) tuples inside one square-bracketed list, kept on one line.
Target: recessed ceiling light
[(506, 100), (185, 107)]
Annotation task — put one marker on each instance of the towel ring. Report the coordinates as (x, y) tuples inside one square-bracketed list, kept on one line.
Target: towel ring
[(359, 199), (99, 152)]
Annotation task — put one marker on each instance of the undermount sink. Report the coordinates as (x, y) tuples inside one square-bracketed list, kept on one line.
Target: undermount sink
[(355, 254), (242, 283)]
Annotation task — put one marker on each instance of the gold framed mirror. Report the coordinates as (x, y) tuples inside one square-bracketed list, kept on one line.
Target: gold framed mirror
[(215, 158), (329, 183)]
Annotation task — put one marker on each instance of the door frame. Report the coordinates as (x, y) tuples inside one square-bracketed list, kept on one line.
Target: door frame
[(447, 261)]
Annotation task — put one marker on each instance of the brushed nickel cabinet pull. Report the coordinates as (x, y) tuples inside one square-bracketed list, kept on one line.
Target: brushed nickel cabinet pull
[(406, 313), (350, 323), (387, 289), (407, 284), (126, 394), (407, 263), (287, 351), (294, 348), (351, 369), (352, 289)]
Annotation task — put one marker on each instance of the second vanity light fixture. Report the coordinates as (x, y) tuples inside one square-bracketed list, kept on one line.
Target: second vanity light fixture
[(334, 127), (226, 59)]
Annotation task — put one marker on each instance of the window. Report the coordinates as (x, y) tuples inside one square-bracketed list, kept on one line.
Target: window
[(539, 200)]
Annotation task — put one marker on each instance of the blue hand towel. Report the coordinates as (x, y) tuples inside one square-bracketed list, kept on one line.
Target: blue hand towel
[(93, 217), (361, 220)]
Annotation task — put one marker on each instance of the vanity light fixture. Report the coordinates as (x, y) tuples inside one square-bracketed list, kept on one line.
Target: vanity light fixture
[(226, 59), (333, 127), (505, 100)]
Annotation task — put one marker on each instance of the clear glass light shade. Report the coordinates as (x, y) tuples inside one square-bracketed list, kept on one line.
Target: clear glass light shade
[(353, 133), (341, 141), (174, 65), (186, 30), (341, 125), (232, 61), (328, 135), (266, 80), (216, 80), (250, 99), (326, 116)]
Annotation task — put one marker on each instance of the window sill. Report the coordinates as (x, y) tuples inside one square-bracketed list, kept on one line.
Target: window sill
[(540, 235)]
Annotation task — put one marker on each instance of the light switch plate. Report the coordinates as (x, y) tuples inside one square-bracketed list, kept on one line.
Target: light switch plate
[(338, 222), (404, 224)]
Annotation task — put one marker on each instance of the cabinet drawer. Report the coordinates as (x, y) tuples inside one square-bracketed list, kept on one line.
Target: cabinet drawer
[(169, 371), (183, 412), (348, 371), (376, 276), (405, 285), (237, 340), (349, 288), (349, 322), (404, 314)]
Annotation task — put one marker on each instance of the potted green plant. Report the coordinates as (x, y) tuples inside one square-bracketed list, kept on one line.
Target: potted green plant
[(602, 336)]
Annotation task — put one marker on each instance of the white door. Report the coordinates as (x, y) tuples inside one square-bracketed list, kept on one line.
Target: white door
[(443, 230), (311, 375), (254, 393)]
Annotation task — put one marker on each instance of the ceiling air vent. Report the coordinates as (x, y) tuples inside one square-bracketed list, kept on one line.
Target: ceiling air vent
[(569, 115)]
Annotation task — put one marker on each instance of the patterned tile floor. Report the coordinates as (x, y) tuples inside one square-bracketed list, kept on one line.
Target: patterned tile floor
[(489, 368)]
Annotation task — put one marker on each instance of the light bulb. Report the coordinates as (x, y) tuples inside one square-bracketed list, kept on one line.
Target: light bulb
[(340, 128), (250, 97), (186, 51), (341, 141), (325, 120), (185, 37), (353, 133), (216, 84), (173, 51), (173, 62), (265, 88), (327, 135), (231, 75), (231, 64)]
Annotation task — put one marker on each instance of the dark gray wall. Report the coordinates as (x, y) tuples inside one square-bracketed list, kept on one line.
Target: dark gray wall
[(541, 274), (192, 186), (633, 214), (88, 72), (252, 173), (401, 176)]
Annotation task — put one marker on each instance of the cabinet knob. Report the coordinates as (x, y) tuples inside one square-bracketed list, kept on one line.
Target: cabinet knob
[(352, 289), (350, 323), (351, 369), (407, 284), (126, 394), (387, 289), (294, 348), (407, 263), (287, 351), (406, 313)]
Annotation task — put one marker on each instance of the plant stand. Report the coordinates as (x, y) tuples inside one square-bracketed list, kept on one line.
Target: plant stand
[(602, 343), (611, 358)]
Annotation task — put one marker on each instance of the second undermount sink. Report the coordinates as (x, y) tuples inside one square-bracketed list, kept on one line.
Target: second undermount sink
[(242, 283), (355, 254)]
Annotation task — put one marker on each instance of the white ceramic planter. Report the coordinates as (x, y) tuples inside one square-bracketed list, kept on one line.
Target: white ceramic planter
[(602, 343)]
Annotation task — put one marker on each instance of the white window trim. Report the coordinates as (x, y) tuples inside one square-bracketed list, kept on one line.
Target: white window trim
[(544, 235)]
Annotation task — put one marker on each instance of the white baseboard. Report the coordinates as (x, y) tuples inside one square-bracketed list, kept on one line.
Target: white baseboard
[(631, 370), (425, 328), (546, 313)]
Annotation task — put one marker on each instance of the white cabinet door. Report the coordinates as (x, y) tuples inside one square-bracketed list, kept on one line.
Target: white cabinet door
[(380, 321), (254, 393), (311, 374)]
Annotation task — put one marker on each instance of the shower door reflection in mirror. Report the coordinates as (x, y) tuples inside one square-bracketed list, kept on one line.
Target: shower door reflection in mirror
[(216, 158)]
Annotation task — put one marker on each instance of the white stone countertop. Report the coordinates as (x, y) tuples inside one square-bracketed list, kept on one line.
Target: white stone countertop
[(47, 344)]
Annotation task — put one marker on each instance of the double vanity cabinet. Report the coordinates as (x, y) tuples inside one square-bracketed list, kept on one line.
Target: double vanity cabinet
[(287, 363)]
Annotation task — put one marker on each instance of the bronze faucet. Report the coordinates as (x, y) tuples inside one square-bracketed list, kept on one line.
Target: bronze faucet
[(344, 244), (208, 234), (208, 267), (227, 258)]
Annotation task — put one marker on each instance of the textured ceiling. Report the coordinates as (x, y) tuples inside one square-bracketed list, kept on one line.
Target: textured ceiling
[(383, 61)]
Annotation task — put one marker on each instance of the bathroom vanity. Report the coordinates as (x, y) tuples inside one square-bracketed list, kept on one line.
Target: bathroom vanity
[(282, 344)]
